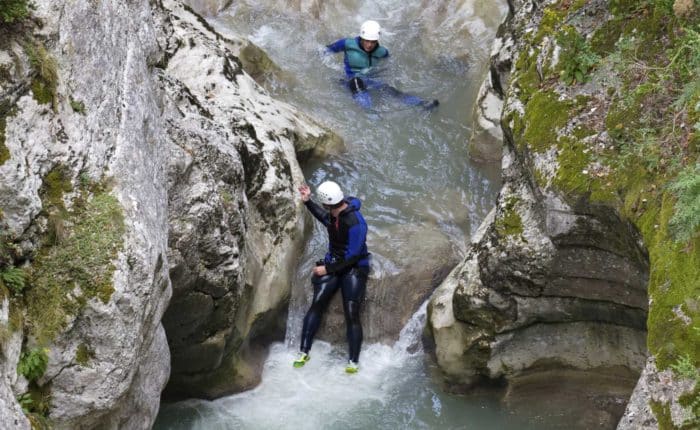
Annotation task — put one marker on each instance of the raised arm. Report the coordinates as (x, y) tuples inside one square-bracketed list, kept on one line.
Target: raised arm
[(316, 210)]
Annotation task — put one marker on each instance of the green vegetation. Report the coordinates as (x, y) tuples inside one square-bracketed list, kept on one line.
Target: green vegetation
[(686, 188), (77, 106), (84, 354), (544, 116), (12, 278), (32, 364), (45, 81), (35, 404), (577, 56), (75, 265), (510, 223), (12, 11), (644, 62), (4, 151)]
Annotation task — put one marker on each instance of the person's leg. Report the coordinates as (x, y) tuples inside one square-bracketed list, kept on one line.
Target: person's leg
[(324, 287), (359, 92), (353, 286), (410, 99)]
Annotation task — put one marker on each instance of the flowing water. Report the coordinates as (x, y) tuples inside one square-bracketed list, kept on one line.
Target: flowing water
[(409, 167)]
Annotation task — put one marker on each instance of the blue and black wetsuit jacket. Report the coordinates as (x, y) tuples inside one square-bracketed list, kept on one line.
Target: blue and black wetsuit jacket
[(357, 60), (347, 236)]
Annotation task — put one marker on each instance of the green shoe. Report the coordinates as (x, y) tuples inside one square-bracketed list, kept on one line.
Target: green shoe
[(352, 367), (301, 359)]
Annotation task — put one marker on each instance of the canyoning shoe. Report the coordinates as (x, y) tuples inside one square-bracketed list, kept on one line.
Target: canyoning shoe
[(301, 360), (430, 104), (352, 367)]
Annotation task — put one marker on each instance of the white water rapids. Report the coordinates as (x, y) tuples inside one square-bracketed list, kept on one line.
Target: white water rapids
[(409, 167)]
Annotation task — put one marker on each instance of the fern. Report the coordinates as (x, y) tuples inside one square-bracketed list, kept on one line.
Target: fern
[(686, 188), (32, 364), (13, 278)]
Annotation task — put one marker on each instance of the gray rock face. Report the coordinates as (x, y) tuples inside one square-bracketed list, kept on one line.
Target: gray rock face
[(203, 165), (549, 284), (486, 140), (662, 388), (235, 218), (117, 135), (11, 415)]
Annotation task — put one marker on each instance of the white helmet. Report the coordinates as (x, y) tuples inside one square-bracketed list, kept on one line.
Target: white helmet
[(329, 193), (370, 30)]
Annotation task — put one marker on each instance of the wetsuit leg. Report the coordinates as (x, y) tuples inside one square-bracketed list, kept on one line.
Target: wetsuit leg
[(359, 92), (410, 99), (324, 288), (353, 286)]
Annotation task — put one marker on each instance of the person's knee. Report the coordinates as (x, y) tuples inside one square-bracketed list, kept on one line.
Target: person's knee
[(357, 85), (353, 313)]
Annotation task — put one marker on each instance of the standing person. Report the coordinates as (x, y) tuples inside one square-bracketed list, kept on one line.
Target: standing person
[(361, 54), (345, 267)]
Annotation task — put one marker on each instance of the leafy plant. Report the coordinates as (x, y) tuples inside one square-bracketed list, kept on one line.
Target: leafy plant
[(686, 188), (685, 368), (13, 278), (577, 58), (32, 364), (14, 10)]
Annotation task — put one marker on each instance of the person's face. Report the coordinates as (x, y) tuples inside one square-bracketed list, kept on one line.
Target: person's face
[(368, 45)]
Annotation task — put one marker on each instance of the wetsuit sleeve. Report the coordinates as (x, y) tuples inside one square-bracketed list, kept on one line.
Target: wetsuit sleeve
[(357, 234), (337, 46), (318, 212)]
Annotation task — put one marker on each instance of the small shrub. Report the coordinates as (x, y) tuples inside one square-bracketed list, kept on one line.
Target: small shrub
[(13, 278), (77, 106), (577, 58), (14, 10), (32, 364), (45, 82)]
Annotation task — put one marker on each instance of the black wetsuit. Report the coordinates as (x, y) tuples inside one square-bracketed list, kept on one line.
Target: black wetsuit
[(347, 264)]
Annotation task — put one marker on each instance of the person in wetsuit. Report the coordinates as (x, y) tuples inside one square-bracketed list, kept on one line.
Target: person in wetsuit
[(345, 267), (361, 54)]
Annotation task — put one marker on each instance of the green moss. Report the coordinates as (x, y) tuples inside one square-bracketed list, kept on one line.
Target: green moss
[(510, 223), (45, 82), (674, 284), (12, 11), (77, 106), (4, 151), (622, 119), (691, 402), (527, 78), (662, 411), (56, 183), (63, 277), (575, 176), (544, 116), (84, 354)]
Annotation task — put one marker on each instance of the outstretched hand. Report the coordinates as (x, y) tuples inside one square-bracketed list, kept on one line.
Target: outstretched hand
[(320, 271), (305, 193)]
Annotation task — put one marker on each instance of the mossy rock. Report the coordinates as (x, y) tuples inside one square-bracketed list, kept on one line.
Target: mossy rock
[(65, 274)]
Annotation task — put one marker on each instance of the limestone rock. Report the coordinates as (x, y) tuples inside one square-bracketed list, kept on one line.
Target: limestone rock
[(663, 388), (236, 221), (552, 283)]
